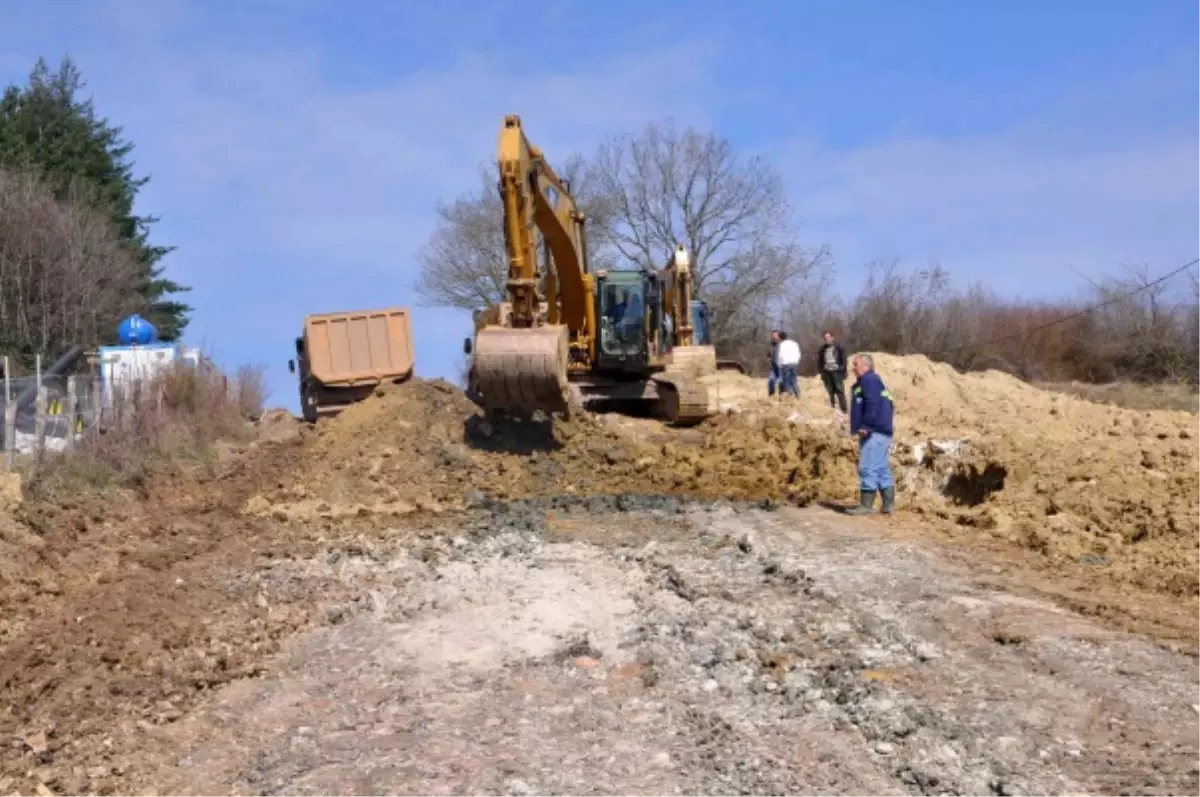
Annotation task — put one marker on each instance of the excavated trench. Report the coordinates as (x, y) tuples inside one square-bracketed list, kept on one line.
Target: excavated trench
[(970, 486)]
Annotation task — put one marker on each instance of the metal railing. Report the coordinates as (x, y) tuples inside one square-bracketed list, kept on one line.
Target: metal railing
[(63, 409)]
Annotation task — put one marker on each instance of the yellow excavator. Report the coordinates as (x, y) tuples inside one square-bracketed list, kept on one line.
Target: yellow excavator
[(629, 336)]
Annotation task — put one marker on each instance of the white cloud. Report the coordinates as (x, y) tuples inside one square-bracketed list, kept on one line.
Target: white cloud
[(1017, 211), (274, 139), (291, 190), (288, 193)]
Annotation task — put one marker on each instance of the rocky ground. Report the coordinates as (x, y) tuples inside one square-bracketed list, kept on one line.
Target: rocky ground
[(562, 647), (410, 602)]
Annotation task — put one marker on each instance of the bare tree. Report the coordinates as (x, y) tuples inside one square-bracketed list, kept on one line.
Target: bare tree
[(1151, 327), (65, 276), (1191, 316), (643, 194), (667, 186), (464, 265)]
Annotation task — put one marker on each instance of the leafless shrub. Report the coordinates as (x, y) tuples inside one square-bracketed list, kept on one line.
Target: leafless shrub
[(169, 424), (65, 278), (251, 391), (1124, 329), (898, 312), (1192, 313)]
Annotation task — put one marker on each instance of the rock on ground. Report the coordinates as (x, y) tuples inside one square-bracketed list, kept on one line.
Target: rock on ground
[(679, 650)]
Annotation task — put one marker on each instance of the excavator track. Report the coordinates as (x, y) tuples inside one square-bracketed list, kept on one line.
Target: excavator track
[(521, 371), (681, 400)]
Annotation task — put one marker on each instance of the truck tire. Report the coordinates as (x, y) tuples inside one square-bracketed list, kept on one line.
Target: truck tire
[(471, 391), (308, 402)]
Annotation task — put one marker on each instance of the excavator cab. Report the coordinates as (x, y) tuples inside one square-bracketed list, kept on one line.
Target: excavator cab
[(623, 302), (635, 330)]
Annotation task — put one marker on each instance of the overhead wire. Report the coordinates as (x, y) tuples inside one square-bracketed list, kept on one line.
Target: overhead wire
[(1066, 318)]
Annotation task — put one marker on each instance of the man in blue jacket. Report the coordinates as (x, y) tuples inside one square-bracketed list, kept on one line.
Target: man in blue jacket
[(871, 422)]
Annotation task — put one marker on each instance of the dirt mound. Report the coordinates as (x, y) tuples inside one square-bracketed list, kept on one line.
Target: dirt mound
[(1089, 484), (109, 625), (422, 446), (987, 456)]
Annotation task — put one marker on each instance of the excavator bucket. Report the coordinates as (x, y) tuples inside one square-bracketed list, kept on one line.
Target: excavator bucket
[(521, 370)]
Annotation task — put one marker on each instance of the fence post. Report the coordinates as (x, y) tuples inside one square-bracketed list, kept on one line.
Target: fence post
[(71, 411), (10, 435), (136, 405), (115, 411), (39, 422)]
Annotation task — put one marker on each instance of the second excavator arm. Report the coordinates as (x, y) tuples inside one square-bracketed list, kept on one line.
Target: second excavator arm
[(676, 280)]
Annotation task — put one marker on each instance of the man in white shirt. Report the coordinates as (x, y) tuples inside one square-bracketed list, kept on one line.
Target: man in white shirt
[(789, 365)]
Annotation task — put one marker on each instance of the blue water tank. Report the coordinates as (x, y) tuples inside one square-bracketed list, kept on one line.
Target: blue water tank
[(136, 331)]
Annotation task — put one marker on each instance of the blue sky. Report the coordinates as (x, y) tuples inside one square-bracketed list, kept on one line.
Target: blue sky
[(298, 148)]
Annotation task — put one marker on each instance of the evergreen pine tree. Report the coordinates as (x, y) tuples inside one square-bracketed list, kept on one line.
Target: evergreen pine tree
[(49, 127)]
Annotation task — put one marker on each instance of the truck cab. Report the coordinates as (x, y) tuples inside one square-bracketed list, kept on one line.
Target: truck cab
[(308, 399)]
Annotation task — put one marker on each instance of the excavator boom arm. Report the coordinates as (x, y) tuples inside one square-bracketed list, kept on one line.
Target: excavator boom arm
[(521, 360), (535, 197)]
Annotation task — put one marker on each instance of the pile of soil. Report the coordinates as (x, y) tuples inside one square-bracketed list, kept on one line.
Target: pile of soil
[(110, 625), (423, 447), (994, 457), (984, 455)]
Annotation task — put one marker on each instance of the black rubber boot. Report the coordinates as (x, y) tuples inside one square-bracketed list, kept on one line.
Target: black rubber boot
[(889, 500), (866, 504)]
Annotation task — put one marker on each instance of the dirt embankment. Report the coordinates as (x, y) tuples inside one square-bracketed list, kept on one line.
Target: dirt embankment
[(114, 623), (1099, 493), (110, 625), (422, 447), (1075, 481)]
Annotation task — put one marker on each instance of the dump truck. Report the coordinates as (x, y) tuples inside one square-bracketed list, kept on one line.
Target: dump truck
[(343, 357)]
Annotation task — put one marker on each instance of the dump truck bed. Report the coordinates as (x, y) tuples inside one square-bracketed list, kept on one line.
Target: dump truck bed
[(362, 347)]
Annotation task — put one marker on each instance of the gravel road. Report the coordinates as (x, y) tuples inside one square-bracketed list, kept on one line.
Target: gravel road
[(648, 646)]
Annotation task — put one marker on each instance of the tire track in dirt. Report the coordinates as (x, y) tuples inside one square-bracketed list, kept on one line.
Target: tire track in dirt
[(682, 650)]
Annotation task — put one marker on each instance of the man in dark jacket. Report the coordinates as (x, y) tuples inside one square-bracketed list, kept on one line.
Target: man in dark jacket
[(831, 359), (774, 376), (871, 422)]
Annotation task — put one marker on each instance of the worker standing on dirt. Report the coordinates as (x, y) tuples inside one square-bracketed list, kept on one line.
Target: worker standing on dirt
[(832, 358), (789, 365), (871, 422), (773, 375)]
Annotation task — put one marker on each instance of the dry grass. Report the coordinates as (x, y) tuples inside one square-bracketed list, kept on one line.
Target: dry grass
[(1132, 395), (171, 425)]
